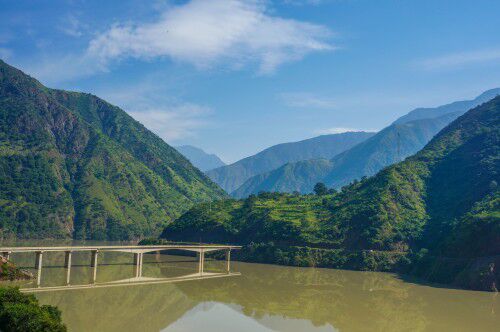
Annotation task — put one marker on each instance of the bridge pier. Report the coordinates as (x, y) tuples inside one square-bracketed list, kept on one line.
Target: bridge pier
[(93, 263), (228, 260), (67, 265), (38, 266), (138, 256), (201, 261), (67, 259)]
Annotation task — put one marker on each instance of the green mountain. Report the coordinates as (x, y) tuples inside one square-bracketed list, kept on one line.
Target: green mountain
[(199, 158), (436, 214), (299, 176), (73, 165), (387, 147), (232, 176)]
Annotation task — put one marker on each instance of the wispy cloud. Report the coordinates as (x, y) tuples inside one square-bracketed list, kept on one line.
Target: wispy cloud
[(339, 130), (307, 100), (206, 33), (461, 59), (173, 122), (171, 118), (72, 26)]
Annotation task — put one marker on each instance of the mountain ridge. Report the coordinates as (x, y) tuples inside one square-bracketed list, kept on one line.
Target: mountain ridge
[(232, 176)]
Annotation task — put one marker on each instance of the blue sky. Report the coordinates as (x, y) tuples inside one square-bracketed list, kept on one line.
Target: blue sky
[(234, 77)]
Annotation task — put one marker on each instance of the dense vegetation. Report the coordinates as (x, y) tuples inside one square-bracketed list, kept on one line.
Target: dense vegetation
[(199, 158), (73, 165), (22, 313), (439, 207), (232, 176)]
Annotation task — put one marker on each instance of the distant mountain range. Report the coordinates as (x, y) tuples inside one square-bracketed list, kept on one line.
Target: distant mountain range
[(199, 158), (404, 137), (436, 214), (73, 165), (232, 176)]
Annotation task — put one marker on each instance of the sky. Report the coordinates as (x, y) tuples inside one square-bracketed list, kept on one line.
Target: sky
[(234, 77)]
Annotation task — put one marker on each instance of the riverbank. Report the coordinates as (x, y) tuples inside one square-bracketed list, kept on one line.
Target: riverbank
[(475, 273), (9, 271)]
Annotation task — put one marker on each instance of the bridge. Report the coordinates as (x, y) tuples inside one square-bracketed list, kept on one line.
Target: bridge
[(137, 251)]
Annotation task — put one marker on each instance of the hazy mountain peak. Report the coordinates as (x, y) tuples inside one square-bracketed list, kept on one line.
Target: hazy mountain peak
[(457, 106), (199, 158)]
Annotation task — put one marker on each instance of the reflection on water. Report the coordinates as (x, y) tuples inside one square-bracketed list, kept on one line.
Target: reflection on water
[(263, 298)]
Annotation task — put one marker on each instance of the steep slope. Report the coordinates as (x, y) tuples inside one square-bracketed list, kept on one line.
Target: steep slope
[(232, 176), (459, 107), (442, 202), (74, 165), (388, 146), (199, 158)]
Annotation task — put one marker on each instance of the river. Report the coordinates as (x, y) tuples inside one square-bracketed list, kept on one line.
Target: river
[(262, 298)]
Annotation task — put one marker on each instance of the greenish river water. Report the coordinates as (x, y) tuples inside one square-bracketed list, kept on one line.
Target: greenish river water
[(262, 298)]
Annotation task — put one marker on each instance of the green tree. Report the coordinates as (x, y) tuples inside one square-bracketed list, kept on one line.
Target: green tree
[(21, 312), (320, 189)]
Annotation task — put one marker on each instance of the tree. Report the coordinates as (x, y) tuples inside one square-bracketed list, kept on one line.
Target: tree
[(320, 189)]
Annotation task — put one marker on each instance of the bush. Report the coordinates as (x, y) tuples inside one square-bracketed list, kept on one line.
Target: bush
[(21, 312)]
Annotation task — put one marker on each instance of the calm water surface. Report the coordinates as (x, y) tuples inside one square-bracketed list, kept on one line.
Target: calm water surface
[(263, 298)]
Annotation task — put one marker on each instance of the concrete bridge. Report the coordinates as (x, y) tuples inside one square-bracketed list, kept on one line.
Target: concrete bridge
[(137, 251)]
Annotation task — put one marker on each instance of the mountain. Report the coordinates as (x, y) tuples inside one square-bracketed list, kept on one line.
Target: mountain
[(299, 176), (200, 158), (388, 146), (73, 165), (459, 107), (326, 146), (435, 214)]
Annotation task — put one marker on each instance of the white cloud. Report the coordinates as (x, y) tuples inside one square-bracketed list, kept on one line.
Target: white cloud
[(462, 59), (206, 33), (307, 100), (174, 122), (339, 130)]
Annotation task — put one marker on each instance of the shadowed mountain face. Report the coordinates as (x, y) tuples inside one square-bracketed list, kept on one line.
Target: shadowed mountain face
[(73, 165), (404, 137), (232, 176), (200, 158)]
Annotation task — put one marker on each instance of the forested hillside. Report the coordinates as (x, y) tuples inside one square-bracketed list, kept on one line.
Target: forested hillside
[(439, 207), (72, 165), (232, 176)]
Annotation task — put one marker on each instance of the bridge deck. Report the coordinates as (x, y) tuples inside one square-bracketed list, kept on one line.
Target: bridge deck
[(128, 248)]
